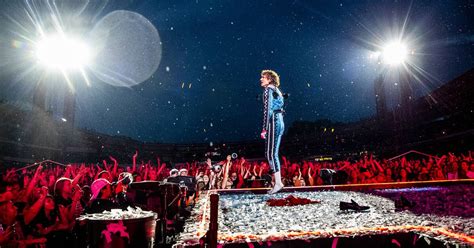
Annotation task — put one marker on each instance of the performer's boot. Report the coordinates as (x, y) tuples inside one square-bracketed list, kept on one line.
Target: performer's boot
[(278, 184)]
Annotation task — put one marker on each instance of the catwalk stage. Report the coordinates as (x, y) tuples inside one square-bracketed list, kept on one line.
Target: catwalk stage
[(442, 217)]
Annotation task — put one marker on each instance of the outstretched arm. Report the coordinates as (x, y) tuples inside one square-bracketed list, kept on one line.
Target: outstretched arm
[(310, 177), (378, 165), (134, 161), (226, 172), (114, 169), (440, 160), (32, 183), (30, 212), (247, 172)]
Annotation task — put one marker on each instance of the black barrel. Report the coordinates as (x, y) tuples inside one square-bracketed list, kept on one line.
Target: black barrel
[(136, 232)]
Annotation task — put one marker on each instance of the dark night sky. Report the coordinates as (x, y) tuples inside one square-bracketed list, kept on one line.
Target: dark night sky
[(205, 88)]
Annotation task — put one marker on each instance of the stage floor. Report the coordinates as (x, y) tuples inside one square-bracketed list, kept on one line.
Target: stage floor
[(445, 213)]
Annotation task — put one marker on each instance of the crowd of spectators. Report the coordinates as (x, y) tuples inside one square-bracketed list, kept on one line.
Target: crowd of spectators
[(240, 173), (39, 204)]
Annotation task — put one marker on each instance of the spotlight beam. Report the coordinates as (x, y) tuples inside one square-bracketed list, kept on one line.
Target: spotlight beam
[(68, 81)]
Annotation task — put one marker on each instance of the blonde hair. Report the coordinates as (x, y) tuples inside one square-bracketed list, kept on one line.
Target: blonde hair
[(275, 79)]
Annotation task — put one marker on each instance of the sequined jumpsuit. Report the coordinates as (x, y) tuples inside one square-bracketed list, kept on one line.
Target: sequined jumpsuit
[(273, 124)]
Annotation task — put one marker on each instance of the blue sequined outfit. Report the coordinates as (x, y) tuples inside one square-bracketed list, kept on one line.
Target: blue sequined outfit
[(273, 122)]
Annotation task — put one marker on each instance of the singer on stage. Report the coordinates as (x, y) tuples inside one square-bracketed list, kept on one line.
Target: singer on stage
[(273, 125)]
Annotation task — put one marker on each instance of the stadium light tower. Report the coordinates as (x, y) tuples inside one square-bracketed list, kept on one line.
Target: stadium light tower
[(392, 55), (62, 53)]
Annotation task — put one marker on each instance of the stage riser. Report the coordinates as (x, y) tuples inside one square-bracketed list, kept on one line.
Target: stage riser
[(440, 212)]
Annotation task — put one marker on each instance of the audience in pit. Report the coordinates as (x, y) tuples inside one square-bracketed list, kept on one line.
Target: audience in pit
[(39, 205)]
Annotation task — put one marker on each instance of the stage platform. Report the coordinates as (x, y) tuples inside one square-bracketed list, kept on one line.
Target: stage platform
[(442, 217)]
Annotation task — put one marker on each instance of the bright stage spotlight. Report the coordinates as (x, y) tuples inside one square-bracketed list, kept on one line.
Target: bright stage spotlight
[(61, 52), (394, 53)]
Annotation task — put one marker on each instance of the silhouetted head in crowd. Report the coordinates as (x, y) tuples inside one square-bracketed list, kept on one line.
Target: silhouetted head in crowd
[(403, 174), (464, 166), (8, 210), (174, 172), (14, 188), (205, 179), (87, 193), (455, 167), (183, 172), (233, 176), (152, 174), (138, 178), (105, 175), (302, 182), (63, 188), (49, 203)]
